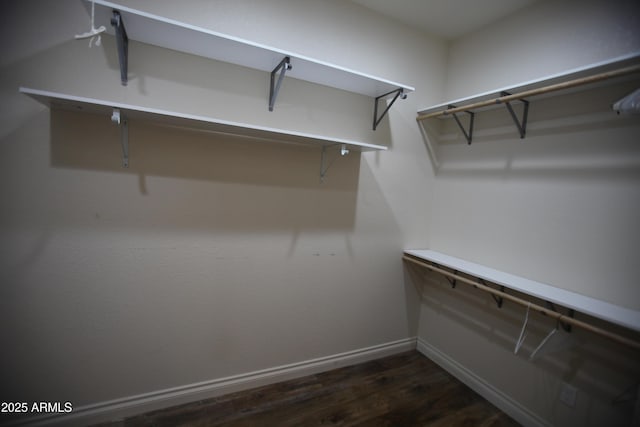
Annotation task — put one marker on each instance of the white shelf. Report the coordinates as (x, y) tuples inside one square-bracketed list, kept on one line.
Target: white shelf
[(575, 73), (191, 121), (601, 309), (171, 34)]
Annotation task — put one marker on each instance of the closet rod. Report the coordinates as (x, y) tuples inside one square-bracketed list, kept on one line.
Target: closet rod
[(532, 92), (553, 314)]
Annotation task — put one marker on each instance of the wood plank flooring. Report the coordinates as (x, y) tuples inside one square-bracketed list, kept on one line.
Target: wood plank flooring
[(406, 389)]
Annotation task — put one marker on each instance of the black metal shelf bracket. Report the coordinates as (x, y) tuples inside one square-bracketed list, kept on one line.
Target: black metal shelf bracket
[(399, 93), (520, 124), (498, 299), (274, 88), (468, 135), (570, 313), (451, 281), (123, 45)]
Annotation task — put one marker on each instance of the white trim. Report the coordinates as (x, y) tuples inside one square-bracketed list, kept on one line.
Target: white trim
[(138, 404), (504, 402)]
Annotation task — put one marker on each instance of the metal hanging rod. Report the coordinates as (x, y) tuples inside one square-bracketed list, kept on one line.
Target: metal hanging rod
[(532, 92), (535, 307)]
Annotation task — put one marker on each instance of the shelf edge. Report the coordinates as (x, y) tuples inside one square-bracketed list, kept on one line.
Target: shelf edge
[(567, 74), (212, 33), (35, 93)]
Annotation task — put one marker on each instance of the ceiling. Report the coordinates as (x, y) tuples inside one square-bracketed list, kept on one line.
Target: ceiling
[(448, 19)]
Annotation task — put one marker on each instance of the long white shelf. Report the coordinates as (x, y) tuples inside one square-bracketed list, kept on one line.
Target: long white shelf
[(601, 309), (191, 121), (576, 73), (169, 33)]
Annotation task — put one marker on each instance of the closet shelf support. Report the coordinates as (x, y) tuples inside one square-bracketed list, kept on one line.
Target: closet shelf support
[(496, 297), (397, 93), (123, 46), (566, 326), (274, 87), (325, 164), (451, 281), (121, 120), (467, 135), (520, 124), (533, 306)]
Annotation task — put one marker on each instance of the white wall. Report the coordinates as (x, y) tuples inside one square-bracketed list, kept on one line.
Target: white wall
[(545, 38), (211, 255), (560, 207), (214, 256)]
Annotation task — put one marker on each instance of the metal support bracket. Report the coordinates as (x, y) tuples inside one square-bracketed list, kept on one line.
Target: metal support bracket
[(121, 120), (282, 68), (570, 313), (451, 281), (325, 164), (398, 93), (468, 135), (123, 45), (520, 124), (499, 300)]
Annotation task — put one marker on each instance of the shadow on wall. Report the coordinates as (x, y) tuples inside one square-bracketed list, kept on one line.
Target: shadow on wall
[(603, 369), (231, 181)]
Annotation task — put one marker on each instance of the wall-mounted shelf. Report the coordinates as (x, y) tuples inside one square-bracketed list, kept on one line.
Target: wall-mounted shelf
[(582, 78), (451, 267), (121, 113), (171, 34)]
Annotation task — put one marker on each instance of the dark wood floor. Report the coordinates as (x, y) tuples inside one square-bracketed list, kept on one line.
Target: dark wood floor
[(401, 390)]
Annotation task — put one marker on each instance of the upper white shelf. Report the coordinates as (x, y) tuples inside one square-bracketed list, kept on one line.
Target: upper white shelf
[(191, 121), (576, 73), (168, 33), (601, 309)]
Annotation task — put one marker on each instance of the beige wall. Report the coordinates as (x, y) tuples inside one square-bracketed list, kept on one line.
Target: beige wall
[(211, 255), (545, 38), (560, 207), (215, 255)]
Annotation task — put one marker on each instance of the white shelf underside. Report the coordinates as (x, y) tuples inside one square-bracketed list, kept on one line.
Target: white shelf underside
[(601, 309), (189, 121), (171, 34)]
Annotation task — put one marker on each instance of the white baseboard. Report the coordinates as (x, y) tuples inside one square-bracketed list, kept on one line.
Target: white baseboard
[(133, 405), (505, 403)]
